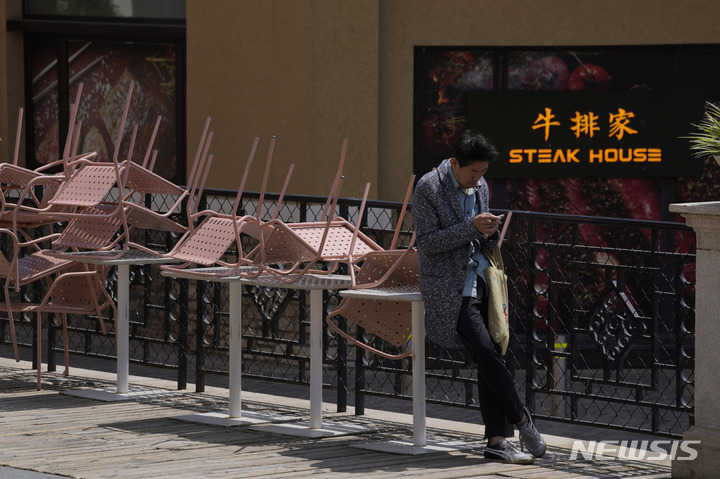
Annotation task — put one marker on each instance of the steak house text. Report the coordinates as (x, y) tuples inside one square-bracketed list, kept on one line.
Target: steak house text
[(605, 155)]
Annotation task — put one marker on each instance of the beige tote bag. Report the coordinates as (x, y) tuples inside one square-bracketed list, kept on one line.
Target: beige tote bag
[(498, 319)]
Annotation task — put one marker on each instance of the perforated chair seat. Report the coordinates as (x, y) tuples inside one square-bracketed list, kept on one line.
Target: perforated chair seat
[(145, 181), (338, 240), (95, 229), (208, 242), (143, 218), (38, 265), (87, 187), (17, 176)]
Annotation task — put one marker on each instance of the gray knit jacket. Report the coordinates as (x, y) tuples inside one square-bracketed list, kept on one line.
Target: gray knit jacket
[(443, 241)]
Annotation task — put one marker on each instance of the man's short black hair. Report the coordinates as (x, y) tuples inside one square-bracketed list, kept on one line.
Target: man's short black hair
[(471, 147)]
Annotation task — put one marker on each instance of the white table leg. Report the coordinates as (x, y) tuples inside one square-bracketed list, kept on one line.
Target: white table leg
[(419, 443), (122, 333), (315, 428), (235, 367), (316, 360), (235, 416), (121, 391), (418, 363)]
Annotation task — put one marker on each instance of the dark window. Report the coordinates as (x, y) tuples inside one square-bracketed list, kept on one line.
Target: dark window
[(62, 53), (448, 79), (98, 9)]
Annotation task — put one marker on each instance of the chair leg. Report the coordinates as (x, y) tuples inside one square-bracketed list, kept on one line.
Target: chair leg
[(65, 345), (102, 324), (13, 337)]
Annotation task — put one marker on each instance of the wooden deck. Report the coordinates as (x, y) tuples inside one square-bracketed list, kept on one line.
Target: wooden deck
[(54, 433)]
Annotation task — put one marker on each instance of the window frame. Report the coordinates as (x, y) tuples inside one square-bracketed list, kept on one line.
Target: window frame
[(62, 32)]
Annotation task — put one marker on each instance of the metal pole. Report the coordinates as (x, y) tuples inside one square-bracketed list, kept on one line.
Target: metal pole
[(122, 336), (235, 348), (418, 361)]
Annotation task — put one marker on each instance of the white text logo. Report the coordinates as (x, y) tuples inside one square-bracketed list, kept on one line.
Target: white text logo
[(656, 450)]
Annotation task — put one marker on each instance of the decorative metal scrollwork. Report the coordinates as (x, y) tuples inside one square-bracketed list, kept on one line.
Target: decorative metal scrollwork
[(615, 324), (271, 304)]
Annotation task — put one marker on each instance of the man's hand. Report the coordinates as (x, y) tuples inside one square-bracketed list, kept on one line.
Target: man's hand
[(487, 223)]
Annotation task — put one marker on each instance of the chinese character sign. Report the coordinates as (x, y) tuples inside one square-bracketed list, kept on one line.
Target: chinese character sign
[(588, 134)]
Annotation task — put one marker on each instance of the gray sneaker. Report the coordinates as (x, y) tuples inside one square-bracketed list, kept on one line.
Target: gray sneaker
[(508, 452), (530, 437)]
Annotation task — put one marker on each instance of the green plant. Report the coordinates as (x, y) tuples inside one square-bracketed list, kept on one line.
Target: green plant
[(705, 141)]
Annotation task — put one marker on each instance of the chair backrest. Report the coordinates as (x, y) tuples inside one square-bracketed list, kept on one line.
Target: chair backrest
[(15, 175), (96, 229), (80, 290), (141, 180), (391, 268), (295, 242), (26, 262), (97, 220), (211, 240), (88, 187), (389, 320), (207, 243), (92, 182)]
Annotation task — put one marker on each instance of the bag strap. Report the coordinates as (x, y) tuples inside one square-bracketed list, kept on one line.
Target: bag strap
[(504, 228), (495, 257)]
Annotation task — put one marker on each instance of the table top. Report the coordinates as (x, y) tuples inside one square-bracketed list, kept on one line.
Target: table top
[(307, 281), (129, 256), (207, 273), (393, 293)]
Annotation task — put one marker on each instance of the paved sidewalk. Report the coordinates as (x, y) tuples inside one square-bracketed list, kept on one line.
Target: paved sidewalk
[(141, 430), (11, 473)]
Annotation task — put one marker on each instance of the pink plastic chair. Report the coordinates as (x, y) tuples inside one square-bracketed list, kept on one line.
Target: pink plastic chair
[(14, 176), (210, 241), (18, 270), (289, 250), (22, 268), (78, 290), (389, 320), (99, 224), (28, 210)]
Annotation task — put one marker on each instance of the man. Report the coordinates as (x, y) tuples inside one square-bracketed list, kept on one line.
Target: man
[(453, 226)]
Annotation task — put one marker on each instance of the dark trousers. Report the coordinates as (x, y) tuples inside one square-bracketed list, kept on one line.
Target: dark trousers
[(499, 400)]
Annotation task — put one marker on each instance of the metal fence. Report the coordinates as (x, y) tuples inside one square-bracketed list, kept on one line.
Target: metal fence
[(602, 319)]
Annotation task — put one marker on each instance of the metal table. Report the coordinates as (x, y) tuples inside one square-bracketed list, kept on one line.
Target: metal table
[(122, 333), (314, 283), (419, 444)]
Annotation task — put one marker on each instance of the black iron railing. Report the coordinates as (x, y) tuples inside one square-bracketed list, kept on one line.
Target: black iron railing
[(601, 312)]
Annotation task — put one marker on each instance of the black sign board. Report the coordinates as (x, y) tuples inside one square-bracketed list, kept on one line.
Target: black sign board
[(633, 133)]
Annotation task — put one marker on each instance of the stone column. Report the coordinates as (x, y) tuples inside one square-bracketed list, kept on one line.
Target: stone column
[(704, 218)]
